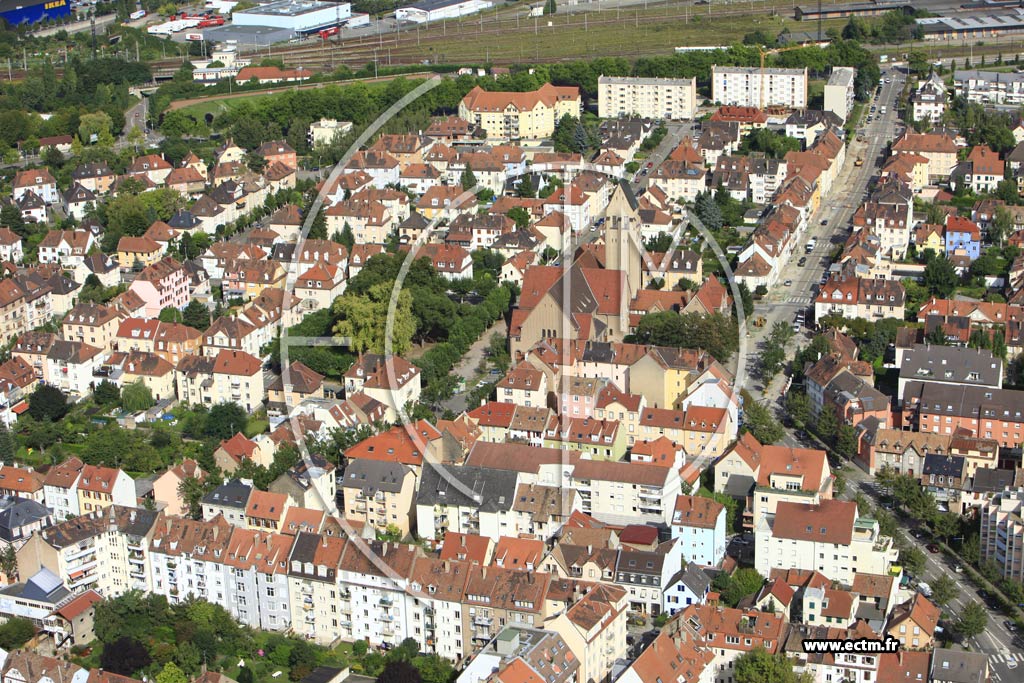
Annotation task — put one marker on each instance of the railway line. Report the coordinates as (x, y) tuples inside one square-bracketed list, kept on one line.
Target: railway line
[(414, 46)]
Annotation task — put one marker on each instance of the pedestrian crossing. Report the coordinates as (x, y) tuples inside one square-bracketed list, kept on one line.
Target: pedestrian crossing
[(1004, 657), (799, 300)]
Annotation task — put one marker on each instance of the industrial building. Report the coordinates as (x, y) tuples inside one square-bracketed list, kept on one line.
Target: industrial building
[(972, 26), (748, 86), (21, 12), (435, 10), (650, 98), (298, 16), (248, 37)]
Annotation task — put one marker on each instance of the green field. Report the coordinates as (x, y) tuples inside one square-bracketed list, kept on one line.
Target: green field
[(219, 106)]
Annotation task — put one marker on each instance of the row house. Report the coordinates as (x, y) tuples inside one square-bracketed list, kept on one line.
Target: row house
[(867, 298), (246, 279), (983, 412), (369, 221)]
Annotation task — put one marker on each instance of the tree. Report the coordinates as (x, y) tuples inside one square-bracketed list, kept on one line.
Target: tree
[(363, 319), (940, 277), (171, 674), (47, 404), (912, 560), (1001, 225), (748, 300), (92, 126), (798, 407), (106, 393), (225, 420), (826, 426), (467, 180), (944, 589), (196, 315), (245, 675), (15, 632), (773, 356), (136, 397), (550, 7), (521, 217), (9, 562), (740, 584), (846, 441), (125, 656), (170, 314), (973, 620), (396, 671), (761, 666), (946, 525), (707, 211), (758, 420), (526, 188)]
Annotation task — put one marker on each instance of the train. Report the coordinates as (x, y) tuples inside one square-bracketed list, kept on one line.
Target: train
[(328, 32)]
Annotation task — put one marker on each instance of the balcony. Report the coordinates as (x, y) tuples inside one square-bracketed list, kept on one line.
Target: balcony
[(483, 621), (386, 601), (311, 618), (137, 574), (81, 552)]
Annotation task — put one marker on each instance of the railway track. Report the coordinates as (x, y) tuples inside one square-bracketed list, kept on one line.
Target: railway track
[(409, 46)]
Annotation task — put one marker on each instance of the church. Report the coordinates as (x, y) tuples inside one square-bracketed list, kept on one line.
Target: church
[(589, 300)]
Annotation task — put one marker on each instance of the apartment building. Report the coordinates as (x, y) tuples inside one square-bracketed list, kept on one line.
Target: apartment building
[(648, 98), (105, 550), (829, 537), (989, 87), (839, 91), (230, 377), (982, 411), (100, 487), (949, 365), (746, 86), (162, 284), (520, 115), (698, 525), (443, 503), (626, 493), (92, 324), (60, 488), (928, 102), (728, 633), (1002, 532), (378, 494)]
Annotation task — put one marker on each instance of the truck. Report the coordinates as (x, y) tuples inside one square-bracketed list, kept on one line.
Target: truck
[(328, 32), (137, 15)]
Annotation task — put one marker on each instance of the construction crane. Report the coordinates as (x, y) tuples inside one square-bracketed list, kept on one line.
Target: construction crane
[(773, 51)]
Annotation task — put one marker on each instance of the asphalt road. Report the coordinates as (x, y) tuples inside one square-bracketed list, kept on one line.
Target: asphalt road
[(837, 209), (996, 641)]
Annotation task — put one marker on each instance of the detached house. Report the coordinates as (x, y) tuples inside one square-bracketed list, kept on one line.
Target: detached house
[(37, 181)]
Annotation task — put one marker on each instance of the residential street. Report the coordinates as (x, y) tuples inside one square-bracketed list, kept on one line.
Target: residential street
[(849, 189)]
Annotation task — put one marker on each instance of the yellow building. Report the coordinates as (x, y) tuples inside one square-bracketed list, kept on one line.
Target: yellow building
[(379, 493), (520, 115)]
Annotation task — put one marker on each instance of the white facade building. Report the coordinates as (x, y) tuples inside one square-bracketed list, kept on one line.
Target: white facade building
[(747, 86), (651, 98), (839, 91)]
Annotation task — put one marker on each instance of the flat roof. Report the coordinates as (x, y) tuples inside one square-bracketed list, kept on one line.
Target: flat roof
[(248, 35), (430, 5), (294, 8)]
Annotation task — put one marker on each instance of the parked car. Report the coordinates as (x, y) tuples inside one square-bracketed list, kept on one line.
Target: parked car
[(932, 548)]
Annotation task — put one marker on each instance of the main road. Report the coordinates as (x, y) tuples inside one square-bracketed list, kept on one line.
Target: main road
[(829, 225)]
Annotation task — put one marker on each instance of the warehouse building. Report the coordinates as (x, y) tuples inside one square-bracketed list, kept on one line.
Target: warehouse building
[(435, 10), (298, 16)]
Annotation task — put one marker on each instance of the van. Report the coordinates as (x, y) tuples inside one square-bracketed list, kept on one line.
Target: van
[(883, 111)]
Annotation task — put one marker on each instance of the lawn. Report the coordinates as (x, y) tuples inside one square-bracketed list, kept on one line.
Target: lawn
[(219, 106), (256, 425)]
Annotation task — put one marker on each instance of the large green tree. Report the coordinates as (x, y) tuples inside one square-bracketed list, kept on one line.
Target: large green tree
[(47, 403), (363, 319), (972, 621), (761, 666)]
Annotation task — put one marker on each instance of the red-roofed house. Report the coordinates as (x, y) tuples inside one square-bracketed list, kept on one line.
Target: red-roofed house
[(231, 452)]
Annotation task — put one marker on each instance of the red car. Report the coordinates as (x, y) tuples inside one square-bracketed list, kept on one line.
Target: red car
[(650, 164), (932, 548)]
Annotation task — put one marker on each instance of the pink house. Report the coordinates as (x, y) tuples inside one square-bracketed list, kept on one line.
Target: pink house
[(164, 284)]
